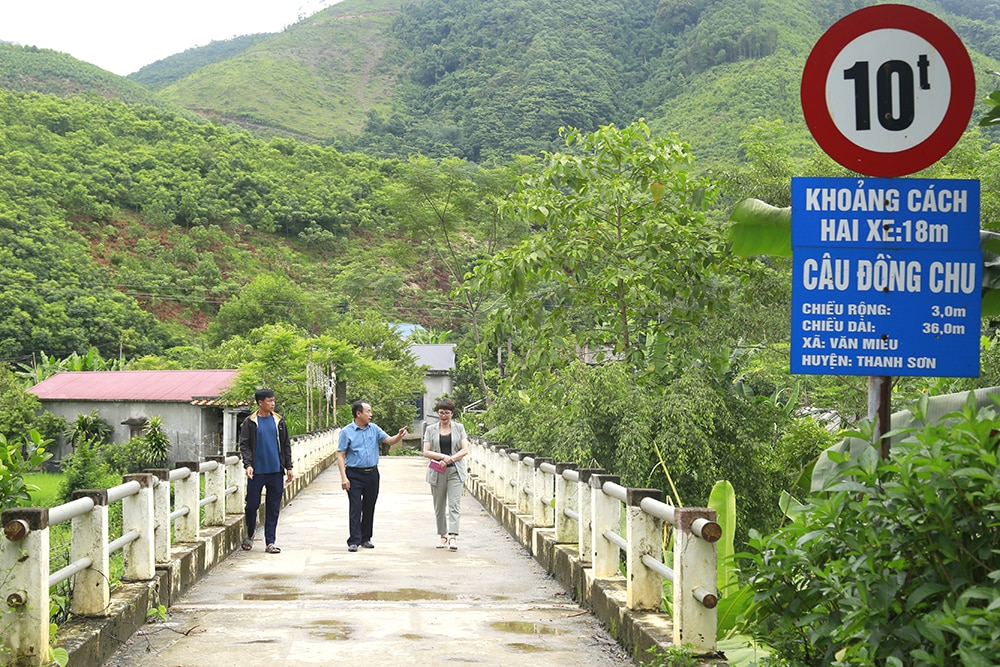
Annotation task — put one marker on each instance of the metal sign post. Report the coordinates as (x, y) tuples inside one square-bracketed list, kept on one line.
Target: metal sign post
[(886, 277)]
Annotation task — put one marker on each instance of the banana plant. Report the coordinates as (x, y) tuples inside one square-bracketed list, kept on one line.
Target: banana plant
[(741, 650)]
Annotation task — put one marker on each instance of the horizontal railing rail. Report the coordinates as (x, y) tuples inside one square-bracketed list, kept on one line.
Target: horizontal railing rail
[(587, 507), (149, 527)]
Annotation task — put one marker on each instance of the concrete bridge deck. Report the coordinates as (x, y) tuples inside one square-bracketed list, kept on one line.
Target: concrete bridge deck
[(403, 603)]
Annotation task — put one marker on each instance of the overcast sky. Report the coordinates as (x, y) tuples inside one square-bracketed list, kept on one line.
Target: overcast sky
[(123, 35)]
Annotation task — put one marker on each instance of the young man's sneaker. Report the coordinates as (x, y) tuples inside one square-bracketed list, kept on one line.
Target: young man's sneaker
[(368, 545), (352, 547)]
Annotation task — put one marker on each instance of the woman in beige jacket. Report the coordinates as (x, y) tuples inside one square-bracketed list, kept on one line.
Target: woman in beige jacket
[(448, 443)]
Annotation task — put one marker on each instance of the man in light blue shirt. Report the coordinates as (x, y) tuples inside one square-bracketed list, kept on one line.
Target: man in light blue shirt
[(357, 459)]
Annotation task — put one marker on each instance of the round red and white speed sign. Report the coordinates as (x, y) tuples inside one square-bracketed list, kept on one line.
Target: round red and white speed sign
[(888, 90)]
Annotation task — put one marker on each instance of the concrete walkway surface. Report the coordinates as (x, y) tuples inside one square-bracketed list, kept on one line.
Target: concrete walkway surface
[(403, 603)]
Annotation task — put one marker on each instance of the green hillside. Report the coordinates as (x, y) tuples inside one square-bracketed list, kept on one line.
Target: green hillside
[(31, 69), (164, 72), (316, 79), (484, 79), (113, 212)]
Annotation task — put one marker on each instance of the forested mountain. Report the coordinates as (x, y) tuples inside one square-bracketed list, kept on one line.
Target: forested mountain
[(483, 79)]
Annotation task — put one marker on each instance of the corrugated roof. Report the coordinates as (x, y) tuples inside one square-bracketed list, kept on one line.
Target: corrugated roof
[(172, 386), (439, 357)]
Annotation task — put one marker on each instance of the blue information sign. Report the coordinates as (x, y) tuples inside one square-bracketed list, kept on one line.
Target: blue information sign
[(887, 277)]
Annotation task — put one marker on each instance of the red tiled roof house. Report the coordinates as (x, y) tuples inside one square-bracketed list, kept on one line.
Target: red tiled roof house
[(187, 402)]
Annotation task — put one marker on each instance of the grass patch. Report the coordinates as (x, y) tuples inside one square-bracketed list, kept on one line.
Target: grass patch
[(48, 485)]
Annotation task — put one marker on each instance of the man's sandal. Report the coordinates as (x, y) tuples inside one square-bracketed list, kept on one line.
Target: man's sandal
[(271, 549), (443, 543), (247, 544), (453, 542)]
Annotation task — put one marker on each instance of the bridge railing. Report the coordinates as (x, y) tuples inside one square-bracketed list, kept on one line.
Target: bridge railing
[(203, 494), (588, 508)]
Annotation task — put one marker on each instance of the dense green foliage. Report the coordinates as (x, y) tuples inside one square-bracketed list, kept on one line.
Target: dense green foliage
[(896, 563), (79, 167), (17, 408)]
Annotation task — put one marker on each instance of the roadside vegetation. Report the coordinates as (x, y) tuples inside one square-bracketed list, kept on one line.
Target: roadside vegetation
[(599, 313)]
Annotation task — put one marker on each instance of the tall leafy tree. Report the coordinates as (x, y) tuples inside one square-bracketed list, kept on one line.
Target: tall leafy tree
[(451, 207), (624, 263), (267, 299)]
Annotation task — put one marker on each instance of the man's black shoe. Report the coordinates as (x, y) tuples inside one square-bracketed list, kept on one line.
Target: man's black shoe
[(368, 545)]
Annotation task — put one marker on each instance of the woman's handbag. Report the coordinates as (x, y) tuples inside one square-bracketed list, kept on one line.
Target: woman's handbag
[(437, 465)]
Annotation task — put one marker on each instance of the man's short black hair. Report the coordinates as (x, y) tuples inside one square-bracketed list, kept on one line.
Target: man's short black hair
[(261, 394), (356, 407)]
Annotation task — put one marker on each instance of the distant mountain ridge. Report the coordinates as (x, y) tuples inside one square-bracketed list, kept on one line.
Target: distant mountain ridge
[(486, 79)]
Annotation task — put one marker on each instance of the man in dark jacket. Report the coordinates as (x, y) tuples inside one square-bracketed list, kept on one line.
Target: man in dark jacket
[(267, 457)]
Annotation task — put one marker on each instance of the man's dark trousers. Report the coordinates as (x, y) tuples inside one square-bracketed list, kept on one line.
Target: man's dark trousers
[(274, 482), (362, 497)]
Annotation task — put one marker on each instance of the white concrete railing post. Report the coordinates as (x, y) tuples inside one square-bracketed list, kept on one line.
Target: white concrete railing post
[(92, 587), (187, 494), (543, 491), (161, 515), (24, 586), (695, 569), (480, 460), (486, 479), (584, 503), (137, 515), (300, 451), (499, 472), (606, 512), (525, 482), (235, 478), (510, 478), (644, 534), (496, 471), (215, 485), (566, 492)]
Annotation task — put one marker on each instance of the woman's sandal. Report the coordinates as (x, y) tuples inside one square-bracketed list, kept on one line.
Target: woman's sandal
[(247, 544), (453, 542), (271, 549), (444, 542)]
